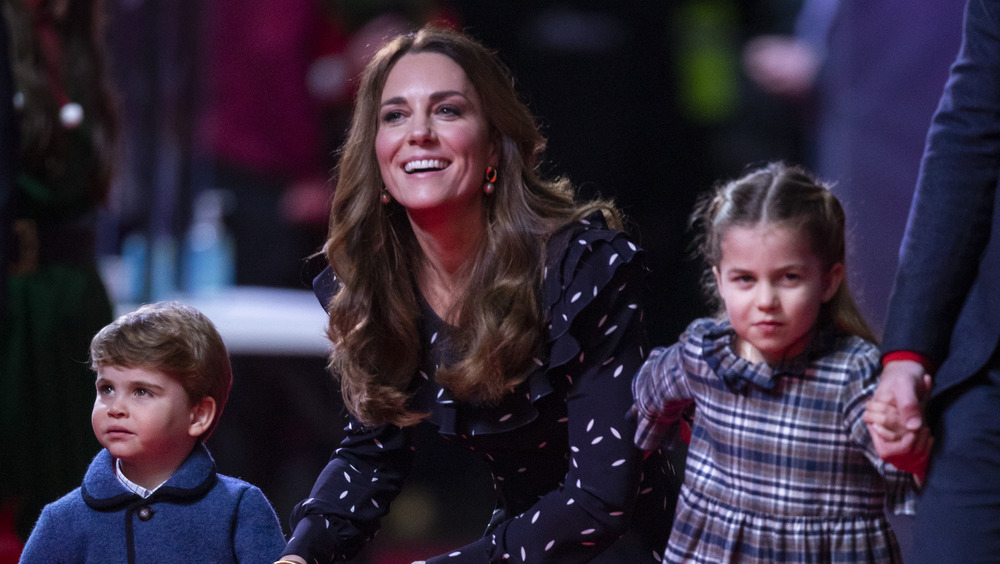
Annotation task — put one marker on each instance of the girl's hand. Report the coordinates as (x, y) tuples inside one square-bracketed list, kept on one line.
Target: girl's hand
[(884, 420)]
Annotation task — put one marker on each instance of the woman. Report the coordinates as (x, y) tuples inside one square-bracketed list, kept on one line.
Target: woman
[(466, 292)]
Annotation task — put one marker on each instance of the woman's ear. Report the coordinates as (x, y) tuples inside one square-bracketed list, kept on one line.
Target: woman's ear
[(202, 415), (832, 281)]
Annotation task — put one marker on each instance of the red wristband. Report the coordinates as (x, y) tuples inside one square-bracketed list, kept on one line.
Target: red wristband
[(909, 355)]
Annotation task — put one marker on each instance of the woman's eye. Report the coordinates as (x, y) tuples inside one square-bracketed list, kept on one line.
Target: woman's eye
[(392, 116), (449, 110)]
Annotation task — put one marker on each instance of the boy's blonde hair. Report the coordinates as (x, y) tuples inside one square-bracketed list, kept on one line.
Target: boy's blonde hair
[(174, 339)]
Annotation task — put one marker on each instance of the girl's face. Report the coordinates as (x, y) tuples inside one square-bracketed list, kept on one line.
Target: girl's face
[(433, 140), (145, 418), (773, 286)]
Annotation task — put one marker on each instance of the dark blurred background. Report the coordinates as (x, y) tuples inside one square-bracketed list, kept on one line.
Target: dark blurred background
[(234, 109)]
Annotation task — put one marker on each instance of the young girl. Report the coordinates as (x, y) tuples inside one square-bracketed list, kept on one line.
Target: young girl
[(781, 467)]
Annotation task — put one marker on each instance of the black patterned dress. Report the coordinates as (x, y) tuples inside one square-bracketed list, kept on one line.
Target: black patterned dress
[(570, 484)]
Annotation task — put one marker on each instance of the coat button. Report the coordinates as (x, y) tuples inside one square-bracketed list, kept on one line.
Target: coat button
[(145, 513)]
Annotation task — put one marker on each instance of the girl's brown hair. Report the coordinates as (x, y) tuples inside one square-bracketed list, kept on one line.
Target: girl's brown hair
[(786, 195)]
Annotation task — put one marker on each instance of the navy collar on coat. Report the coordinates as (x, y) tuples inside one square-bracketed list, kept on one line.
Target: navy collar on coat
[(102, 491)]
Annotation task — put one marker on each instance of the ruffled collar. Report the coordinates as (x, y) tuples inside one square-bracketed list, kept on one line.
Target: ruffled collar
[(564, 294), (717, 344), (454, 417)]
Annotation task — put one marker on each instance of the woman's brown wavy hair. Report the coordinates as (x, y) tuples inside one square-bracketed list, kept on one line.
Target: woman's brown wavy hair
[(372, 250)]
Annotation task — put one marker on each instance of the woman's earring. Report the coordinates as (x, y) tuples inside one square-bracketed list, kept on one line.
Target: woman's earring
[(491, 177), (385, 197)]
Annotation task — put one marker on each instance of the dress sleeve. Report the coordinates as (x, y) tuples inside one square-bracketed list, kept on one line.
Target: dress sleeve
[(258, 536), (600, 306), (354, 490), (901, 488), (351, 494), (661, 397)]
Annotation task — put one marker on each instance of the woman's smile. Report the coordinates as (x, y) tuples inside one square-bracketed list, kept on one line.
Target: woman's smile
[(433, 143)]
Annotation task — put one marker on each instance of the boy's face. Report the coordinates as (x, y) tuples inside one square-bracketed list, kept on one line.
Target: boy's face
[(145, 418)]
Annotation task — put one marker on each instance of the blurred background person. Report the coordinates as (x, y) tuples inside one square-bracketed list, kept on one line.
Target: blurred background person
[(869, 75), (54, 297)]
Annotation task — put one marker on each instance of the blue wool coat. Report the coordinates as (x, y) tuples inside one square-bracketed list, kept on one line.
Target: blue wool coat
[(196, 516)]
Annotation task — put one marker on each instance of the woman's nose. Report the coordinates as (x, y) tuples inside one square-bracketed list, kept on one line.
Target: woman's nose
[(422, 131)]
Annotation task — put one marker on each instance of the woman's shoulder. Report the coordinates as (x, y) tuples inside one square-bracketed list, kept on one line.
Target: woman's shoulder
[(588, 245), (582, 259)]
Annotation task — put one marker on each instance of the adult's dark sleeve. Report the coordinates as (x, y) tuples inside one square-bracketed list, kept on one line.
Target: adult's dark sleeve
[(944, 302)]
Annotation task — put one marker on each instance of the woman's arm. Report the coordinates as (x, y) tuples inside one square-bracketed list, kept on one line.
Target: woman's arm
[(351, 494)]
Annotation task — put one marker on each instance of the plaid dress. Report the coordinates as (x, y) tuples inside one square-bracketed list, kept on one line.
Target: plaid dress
[(780, 467)]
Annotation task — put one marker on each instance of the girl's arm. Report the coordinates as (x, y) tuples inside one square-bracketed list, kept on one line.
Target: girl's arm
[(863, 375), (660, 403)]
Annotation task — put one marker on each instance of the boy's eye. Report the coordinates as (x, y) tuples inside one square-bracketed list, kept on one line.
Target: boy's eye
[(104, 390), (142, 392)]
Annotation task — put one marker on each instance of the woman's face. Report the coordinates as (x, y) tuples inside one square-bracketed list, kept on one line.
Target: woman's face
[(433, 141)]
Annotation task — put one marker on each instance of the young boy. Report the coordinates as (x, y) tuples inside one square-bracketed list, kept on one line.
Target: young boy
[(152, 493)]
